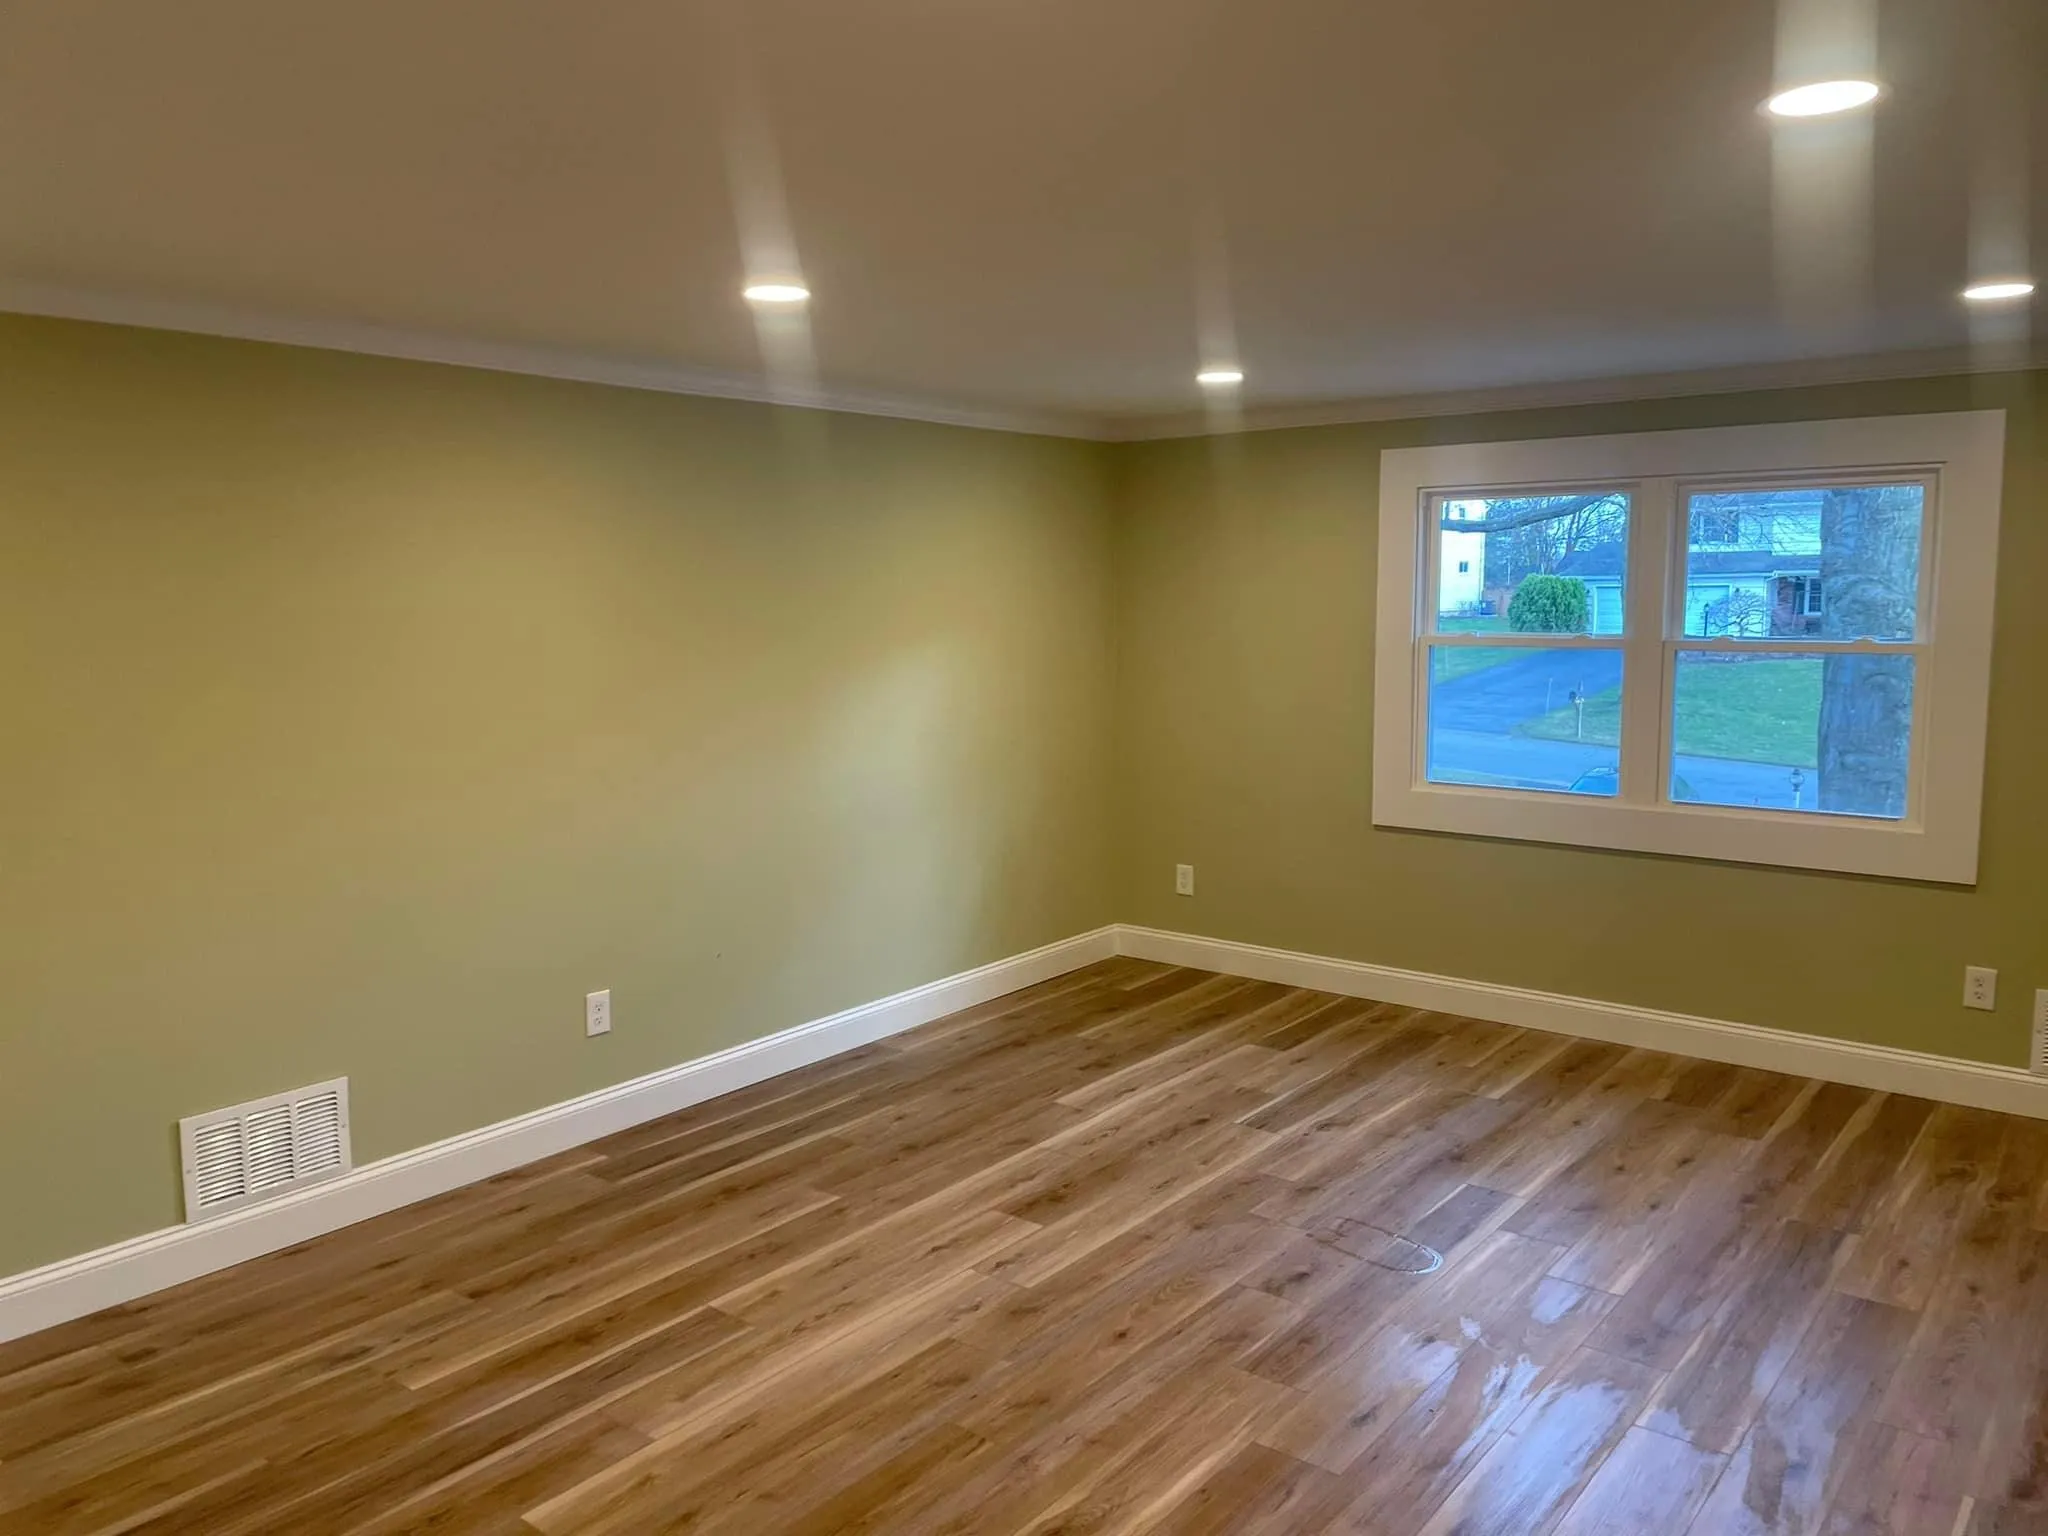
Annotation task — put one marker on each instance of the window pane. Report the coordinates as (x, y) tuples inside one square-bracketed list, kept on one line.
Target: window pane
[(1791, 732), (1533, 564), (1519, 718), (1819, 562)]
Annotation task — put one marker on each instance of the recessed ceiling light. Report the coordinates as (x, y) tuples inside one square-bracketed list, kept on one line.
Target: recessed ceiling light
[(1822, 98), (1218, 377), (776, 293), (2005, 288)]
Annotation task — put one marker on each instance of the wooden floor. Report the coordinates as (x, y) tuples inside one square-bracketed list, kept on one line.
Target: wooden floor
[(1138, 1250)]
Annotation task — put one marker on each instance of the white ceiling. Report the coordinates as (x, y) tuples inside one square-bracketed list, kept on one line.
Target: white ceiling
[(1035, 206)]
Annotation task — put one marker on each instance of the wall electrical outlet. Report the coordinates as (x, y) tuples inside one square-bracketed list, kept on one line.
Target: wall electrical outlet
[(1980, 987), (597, 1012), (1184, 879)]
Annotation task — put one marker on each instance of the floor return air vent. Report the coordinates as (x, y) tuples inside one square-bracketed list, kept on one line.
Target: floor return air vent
[(263, 1149)]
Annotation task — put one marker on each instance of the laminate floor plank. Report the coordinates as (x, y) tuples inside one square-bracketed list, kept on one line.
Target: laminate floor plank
[(1550, 1453), (1140, 1249), (1960, 1356), (1649, 1482), (1707, 1253), (1256, 1490), (1351, 1400), (1713, 1393), (1797, 1454), (1439, 1439), (1902, 1254), (1899, 1484)]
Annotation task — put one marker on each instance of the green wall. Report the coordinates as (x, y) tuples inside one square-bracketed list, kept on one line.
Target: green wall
[(360, 716), (1246, 570)]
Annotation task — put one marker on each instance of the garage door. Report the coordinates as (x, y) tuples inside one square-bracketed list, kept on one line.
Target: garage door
[(1607, 610)]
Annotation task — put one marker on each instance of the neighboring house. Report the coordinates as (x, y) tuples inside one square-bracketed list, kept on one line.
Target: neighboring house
[(1752, 568), (1462, 588)]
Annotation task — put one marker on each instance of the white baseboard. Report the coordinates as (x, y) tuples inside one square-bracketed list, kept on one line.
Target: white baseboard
[(1945, 1078), (56, 1293)]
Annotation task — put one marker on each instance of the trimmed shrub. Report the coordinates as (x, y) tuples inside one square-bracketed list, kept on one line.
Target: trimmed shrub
[(1550, 605)]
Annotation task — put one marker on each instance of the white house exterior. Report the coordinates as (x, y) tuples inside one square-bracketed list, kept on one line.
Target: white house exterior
[(1750, 569), (1462, 581)]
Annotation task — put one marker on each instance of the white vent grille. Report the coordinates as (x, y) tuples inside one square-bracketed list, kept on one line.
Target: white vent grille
[(320, 1133), (2037, 1057), (257, 1151)]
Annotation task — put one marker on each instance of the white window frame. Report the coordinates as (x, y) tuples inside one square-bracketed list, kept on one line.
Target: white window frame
[(1960, 456)]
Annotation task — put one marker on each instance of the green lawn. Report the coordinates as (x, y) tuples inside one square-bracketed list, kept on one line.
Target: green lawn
[(1603, 722), (1751, 711), (1758, 711), (1448, 663)]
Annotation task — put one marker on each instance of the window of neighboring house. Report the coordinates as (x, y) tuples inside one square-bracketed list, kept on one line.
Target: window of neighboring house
[(1654, 683), (1716, 525)]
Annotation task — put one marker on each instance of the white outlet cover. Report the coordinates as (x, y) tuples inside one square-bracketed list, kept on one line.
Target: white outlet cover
[(1184, 879), (597, 1013), (1980, 987)]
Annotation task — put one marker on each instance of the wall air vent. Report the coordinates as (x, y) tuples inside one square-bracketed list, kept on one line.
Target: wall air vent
[(259, 1150)]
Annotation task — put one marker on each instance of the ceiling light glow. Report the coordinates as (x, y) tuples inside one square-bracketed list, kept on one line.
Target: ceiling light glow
[(1823, 98), (776, 293), (1220, 376), (2004, 288)]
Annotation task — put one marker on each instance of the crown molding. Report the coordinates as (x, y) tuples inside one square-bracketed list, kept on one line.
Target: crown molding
[(372, 340), (1796, 374), (455, 351)]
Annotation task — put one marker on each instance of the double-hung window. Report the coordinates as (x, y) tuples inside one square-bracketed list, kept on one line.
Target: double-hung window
[(1769, 644)]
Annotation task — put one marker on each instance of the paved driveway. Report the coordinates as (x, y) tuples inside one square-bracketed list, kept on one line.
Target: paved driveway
[(1497, 699)]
